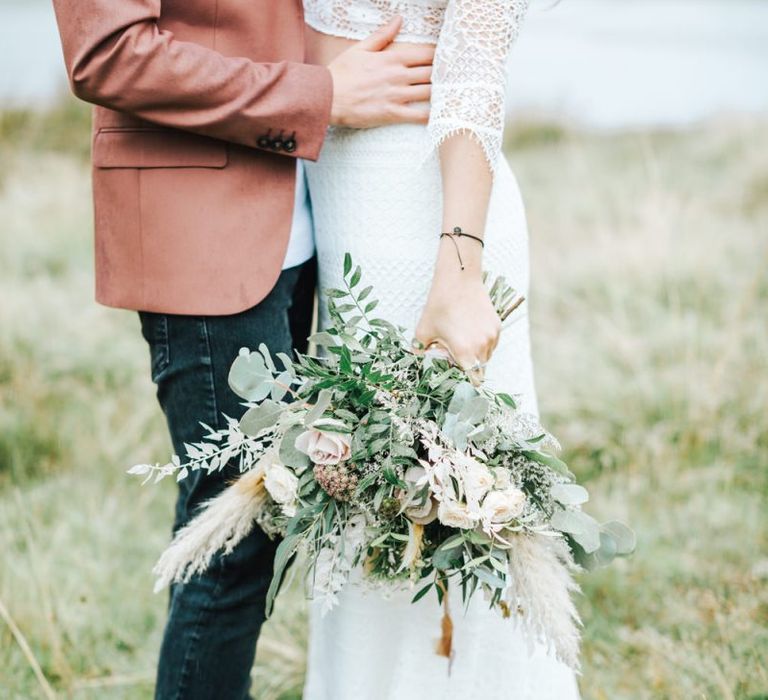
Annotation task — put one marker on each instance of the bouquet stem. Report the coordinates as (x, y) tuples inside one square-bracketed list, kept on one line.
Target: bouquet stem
[(445, 643)]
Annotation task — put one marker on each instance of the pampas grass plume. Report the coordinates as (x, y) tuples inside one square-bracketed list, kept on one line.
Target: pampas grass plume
[(223, 522), (541, 587)]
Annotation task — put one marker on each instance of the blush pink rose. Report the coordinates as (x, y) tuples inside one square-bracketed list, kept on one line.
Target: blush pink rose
[(324, 447)]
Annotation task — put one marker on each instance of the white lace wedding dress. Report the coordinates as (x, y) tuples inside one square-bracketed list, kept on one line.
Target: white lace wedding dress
[(376, 193)]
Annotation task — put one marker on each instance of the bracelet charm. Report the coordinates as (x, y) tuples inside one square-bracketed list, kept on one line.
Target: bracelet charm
[(458, 233)]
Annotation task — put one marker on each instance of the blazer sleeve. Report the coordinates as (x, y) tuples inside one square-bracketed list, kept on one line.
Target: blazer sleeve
[(118, 57)]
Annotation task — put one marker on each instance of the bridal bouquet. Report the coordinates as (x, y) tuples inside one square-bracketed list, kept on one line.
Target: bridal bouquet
[(375, 456)]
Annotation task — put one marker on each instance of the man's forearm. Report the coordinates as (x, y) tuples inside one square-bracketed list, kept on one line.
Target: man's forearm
[(118, 57)]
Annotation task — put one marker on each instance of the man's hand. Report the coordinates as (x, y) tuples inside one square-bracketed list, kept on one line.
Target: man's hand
[(374, 83)]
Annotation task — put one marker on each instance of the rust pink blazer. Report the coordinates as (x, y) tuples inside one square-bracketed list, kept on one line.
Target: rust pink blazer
[(202, 107)]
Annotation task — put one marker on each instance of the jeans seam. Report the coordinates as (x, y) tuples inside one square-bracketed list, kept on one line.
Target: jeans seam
[(190, 654), (211, 378)]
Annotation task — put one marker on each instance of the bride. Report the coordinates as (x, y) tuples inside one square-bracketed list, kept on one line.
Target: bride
[(423, 210)]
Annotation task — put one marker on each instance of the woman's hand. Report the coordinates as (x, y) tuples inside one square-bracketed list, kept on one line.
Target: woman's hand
[(459, 315)]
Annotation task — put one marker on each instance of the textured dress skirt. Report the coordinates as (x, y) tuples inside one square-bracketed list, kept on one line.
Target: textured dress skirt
[(377, 196)]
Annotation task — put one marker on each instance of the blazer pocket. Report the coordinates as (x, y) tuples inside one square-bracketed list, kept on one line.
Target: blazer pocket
[(125, 147)]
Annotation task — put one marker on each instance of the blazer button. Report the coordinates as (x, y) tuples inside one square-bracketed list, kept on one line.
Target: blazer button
[(290, 145), (276, 145), (264, 141)]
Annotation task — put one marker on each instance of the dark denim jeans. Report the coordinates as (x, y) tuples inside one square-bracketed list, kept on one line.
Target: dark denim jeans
[(214, 620)]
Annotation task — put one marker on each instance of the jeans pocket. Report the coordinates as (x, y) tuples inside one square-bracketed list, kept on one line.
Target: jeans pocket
[(154, 328)]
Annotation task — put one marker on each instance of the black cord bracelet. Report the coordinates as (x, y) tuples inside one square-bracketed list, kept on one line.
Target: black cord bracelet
[(458, 233)]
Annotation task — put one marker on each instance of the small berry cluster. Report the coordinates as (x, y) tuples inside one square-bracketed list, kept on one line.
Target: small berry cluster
[(339, 481)]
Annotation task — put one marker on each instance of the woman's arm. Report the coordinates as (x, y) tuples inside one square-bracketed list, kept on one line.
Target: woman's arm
[(466, 124), (459, 314)]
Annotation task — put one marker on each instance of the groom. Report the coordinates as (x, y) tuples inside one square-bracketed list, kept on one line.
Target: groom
[(204, 108)]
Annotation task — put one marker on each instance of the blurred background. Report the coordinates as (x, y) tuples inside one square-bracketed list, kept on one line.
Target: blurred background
[(639, 133)]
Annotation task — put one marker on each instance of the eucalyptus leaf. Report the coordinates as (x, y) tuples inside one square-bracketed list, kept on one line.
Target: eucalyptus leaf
[(607, 550), (321, 405), (281, 386), (445, 559), (582, 527), (600, 557), (257, 418), (570, 494), (480, 434), (489, 578), (289, 455), (626, 540), (248, 375), (474, 410), (461, 394), (459, 436), (264, 350), (261, 392), (287, 362)]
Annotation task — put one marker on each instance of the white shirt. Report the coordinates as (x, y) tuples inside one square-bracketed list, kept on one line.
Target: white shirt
[(301, 244)]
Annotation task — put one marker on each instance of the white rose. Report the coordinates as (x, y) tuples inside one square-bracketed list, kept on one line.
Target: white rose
[(454, 514), (478, 480), (281, 483), (324, 447), (502, 506)]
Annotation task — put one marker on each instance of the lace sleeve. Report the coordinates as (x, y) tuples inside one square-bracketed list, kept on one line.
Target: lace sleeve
[(468, 79)]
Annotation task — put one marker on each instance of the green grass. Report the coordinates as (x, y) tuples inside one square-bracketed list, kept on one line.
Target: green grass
[(649, 311)]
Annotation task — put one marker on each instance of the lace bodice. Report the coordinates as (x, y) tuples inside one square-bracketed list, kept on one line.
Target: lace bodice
[(473, 40)]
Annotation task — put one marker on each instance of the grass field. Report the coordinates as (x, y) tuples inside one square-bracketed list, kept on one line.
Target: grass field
[(649, 307)]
